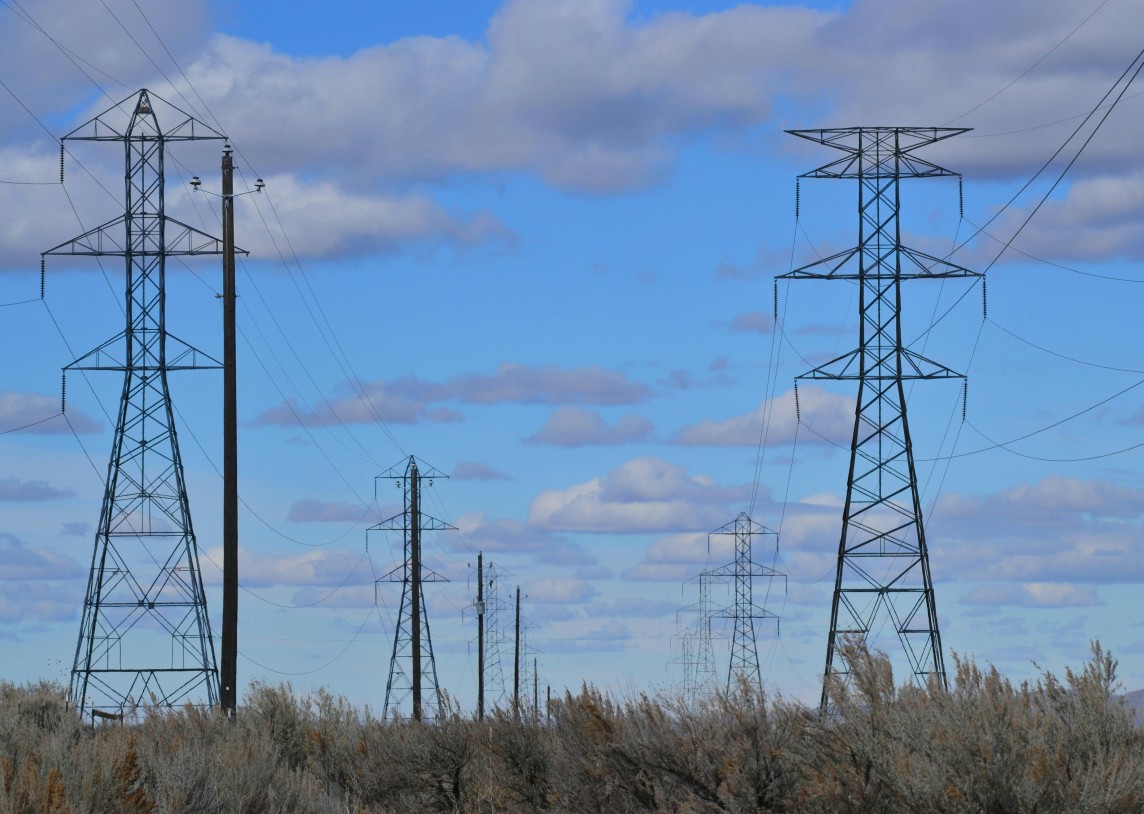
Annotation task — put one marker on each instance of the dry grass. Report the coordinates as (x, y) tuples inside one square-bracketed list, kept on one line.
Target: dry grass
[(1055, 745)]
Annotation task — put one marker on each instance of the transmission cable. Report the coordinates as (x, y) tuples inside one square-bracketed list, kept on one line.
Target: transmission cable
[(1032, 67)]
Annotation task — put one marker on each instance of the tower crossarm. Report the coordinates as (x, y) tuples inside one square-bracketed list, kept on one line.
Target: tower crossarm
[(895, 158), (108, 240), (139, 112), (845, 265), (849, 366)]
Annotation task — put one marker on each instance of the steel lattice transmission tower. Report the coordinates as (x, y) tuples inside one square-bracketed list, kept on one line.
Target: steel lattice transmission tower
[(696, 643), (496, 639), (696, 653), (744, 610), (412, 668), (883, 572), (144, 635)]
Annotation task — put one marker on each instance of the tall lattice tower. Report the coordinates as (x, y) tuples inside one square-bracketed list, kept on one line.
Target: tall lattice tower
[(883, 572), (697, 643), (412, 667), (144, 635), (744, 664), (496, 639)]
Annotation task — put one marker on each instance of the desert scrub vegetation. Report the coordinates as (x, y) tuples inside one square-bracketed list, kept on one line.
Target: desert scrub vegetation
[(985, 745)]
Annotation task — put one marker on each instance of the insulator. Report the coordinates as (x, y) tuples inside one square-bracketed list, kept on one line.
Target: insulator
[(984, 301), (960, 199), (776, 302), (61, 162), (797, 411), (797, 195), (41, 276), (64, 391), (964, 398)]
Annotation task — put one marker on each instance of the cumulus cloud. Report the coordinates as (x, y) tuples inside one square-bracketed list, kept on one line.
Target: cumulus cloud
[(587, 95), (40, 414), (643, 495), (15, 490), (31, 602), (327, 221), (829, 418), (317, 511), (1097, 218), (576, 92), (753, 322), (320, 567), (501, 534), (1034, 595), (409, 400), (22, 562), (474, 470), (558, 590), (1058, 530), (610, 638), (577, 427), (546, 384)]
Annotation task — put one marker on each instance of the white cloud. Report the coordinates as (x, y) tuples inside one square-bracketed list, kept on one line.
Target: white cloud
[(611, 637), (576, 427), (643, 495), (15, 490), (1057, 530), (22, 562), (558, 590), (829, 418), (1034, 595), (23, 603), (1097, 218), (475, 470), (409, 400), (326, 220), (317, 511), (40, 414), (589, 96), (500, 534), (321, 567), (753, 322), (574, 91)]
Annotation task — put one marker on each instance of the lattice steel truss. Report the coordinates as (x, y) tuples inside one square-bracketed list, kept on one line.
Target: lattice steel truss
[(144, 635), (696, 643), (883, 571), (412, 668), (496, 640), (744, 610)]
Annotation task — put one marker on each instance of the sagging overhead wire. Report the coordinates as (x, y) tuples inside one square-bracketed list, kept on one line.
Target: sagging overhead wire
[(1032, 67), (1127, 77)]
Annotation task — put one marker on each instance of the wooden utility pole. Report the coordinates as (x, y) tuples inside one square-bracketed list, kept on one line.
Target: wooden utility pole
[(228, 694), (516, 663), (480, 636)]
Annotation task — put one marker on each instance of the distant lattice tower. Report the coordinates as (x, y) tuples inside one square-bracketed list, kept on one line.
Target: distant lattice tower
[(696, 651), (412, 667), (744, 662), (496, 640), (883, 572), (144, 633)]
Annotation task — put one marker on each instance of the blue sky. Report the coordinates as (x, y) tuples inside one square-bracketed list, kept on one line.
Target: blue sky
[(543, 237)]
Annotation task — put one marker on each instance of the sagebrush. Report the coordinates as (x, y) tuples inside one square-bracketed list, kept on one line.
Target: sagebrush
[(985, 745)]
